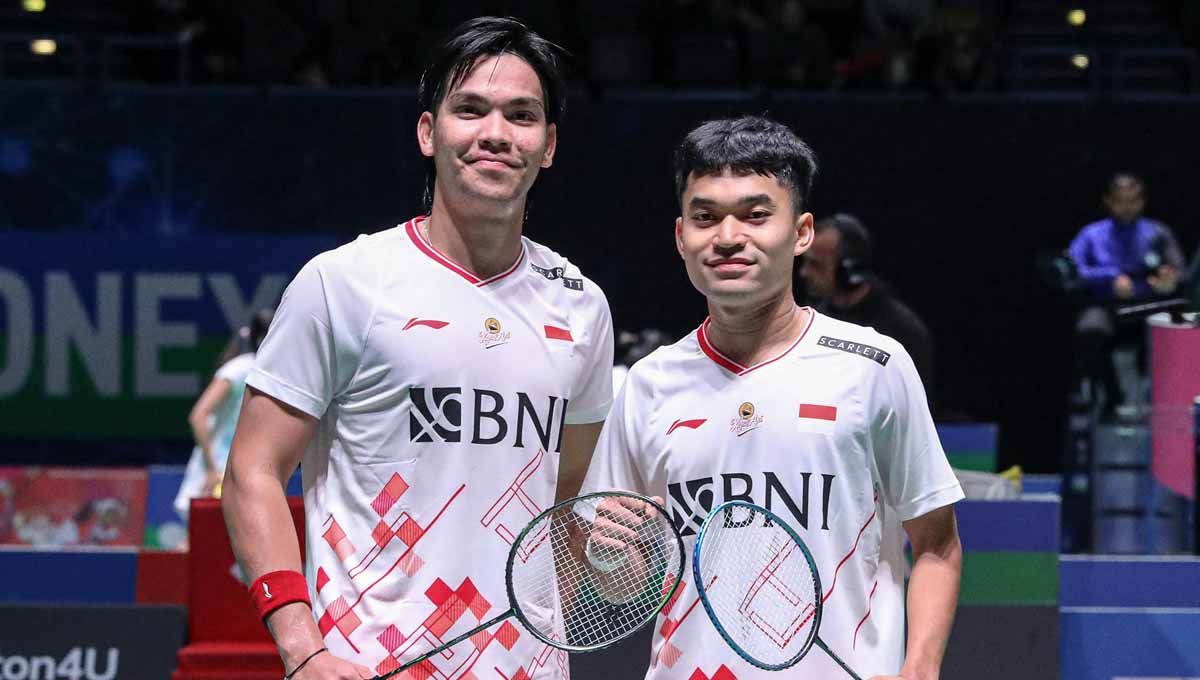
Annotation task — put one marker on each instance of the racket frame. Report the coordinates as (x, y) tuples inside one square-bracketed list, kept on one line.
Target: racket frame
[(702, 590)]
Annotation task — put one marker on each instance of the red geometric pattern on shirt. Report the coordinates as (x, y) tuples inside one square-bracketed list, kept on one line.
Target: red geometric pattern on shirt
[(668, 653), (335, 536), (382, 533), (450, 605), (409, 532), (514, 504), (322, 578), (339, 614), (723, 673), (411, 564), (349, 623), (392, 491), (391, 638), (507, 635)]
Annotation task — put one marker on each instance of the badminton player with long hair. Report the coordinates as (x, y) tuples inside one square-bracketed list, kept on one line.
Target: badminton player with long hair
[(823, 423), (441, 383)]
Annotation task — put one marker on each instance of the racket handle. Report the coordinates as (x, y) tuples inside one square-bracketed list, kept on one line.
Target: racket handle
[(835, 657), (446, 645)]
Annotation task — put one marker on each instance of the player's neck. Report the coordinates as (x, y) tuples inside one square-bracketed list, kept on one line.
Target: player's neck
[(752, 334), (485, 244)]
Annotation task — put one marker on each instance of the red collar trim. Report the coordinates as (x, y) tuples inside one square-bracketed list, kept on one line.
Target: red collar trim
[(734, 367), (418, 239)]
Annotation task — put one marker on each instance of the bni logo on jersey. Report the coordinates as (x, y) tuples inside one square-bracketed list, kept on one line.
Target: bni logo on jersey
[(746, 420), (493, 334)]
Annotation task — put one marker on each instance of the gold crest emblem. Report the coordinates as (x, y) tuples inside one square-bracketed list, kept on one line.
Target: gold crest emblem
[(746, 411), (491, 325)]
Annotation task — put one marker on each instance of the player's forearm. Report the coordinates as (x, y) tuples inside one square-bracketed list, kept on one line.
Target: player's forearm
[(263, 538), (203, 438), (932, 600)]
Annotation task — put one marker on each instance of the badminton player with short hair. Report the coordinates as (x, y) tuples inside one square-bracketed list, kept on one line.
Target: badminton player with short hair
[(440, 382), (823, 422)]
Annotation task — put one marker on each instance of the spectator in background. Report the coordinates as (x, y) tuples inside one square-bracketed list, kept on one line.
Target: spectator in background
[(798, 50), (839, 279), (1123, 259), (633, 347), (214, 416)]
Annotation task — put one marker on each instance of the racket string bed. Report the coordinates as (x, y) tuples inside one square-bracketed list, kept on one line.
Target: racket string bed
[(592, 606), (760, 586)]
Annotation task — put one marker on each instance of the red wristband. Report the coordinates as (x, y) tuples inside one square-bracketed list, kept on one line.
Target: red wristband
[(277, 588)]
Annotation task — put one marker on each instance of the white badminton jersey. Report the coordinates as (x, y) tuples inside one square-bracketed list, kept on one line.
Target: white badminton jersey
[(833, 435), (442, 400)]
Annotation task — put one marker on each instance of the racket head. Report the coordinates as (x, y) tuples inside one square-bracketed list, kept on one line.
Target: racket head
[(758, 583), (555, 589)]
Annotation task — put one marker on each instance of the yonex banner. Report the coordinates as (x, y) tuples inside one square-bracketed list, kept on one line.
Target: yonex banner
[(115, 335)]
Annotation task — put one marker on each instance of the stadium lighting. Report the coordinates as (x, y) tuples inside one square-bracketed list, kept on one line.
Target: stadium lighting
[(1076, 17), (34, 5), (43, 46), (1080, 61)]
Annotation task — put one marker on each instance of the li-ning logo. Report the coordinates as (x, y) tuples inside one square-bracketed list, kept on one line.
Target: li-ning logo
[(746, 420), (690, 424), (266, 590), (557, 273), (493, 335), (873, 353)]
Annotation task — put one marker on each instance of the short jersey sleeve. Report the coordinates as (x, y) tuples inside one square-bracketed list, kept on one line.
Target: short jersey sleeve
[(236, 369), (616, 460), (915, 475), (592, 396), (313, 347)]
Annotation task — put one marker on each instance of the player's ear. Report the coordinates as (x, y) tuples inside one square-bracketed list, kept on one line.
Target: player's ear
[(425, 134), (804, 233), (551, 145), (679, 235)]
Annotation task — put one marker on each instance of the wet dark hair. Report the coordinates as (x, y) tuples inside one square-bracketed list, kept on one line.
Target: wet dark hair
[(744, 145), (484, 37)]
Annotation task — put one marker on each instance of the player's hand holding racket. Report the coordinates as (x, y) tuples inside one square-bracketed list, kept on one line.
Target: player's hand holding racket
[(586, 573), (760, 586), (624, 544)]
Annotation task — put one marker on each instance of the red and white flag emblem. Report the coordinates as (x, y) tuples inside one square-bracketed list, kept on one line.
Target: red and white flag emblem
[(556, 333), (818, 412)]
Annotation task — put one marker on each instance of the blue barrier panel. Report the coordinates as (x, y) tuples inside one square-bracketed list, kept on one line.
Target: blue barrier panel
[(1013, 526), (1134, 581), (1101, 643), (75, 576), (973, 437), (1041, 484)]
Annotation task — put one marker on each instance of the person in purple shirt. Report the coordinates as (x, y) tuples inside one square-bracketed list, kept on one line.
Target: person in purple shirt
[(1123, 259)]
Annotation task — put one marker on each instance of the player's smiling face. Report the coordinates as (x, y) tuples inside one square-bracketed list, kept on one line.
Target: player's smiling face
[(739, 236), (490, 135)]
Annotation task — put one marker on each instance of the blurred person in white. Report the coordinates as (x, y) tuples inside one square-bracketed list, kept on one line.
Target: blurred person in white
[(214, 416)]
